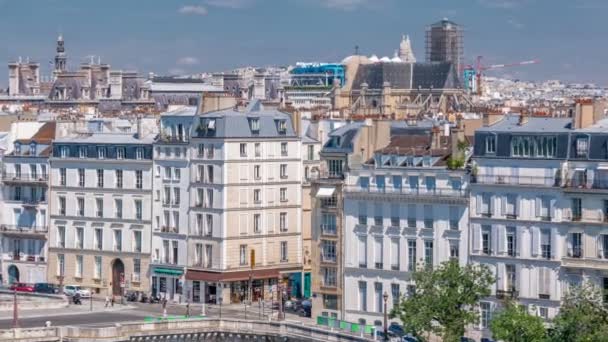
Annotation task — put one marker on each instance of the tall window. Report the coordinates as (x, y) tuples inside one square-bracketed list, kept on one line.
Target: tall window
[(428, 216), (99, 207), (176, 195), (82, 152), (411, 216), (378, 253), (284, 149), (97, 272), (575, 249), (61, 237), (511, 277), (428, 253), (395, 254), (61, 202), (62, 176), (208, 256), (137, 241), (120, 153), (136, 269), (485, 314), (209, 225), (79, 237), (334, 167), (198, 254), (78, 269), (328, 251), (363, 251), (283, 194), (101, 152), (329, 276), (311, 152), (100, 178), (139, 183), (283, 170), (81, 180), (576, 208), (60, 264), (256, 172), (283, 222), (378, 297), (454, 217), (118, 240), (243, 254), (80, 206), (98, 238), (511, 241), (243, 150), (582, 146), (256, 223), (118, 208), (362, 296), (258, 149), (486, 239), (545, 243), (284, 251), (411, 255), (138, 209), (139, 153), (454, 249)]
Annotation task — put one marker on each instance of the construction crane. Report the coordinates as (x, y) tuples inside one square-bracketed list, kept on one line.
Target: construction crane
[(479, 69)]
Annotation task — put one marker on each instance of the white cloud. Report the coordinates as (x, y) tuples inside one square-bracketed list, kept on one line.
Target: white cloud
[(345, 5), (188, 61), (193, 9), (515, 24), (231, 4)]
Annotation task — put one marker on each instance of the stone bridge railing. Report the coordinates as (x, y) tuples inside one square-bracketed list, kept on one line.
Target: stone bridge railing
[(187, 330)]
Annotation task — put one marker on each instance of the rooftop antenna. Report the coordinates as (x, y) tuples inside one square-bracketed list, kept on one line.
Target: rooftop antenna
[(356, 50)]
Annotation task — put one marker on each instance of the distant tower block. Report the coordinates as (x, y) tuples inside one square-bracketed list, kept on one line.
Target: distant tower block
[(445, 43), (60, 57), (405, 50)]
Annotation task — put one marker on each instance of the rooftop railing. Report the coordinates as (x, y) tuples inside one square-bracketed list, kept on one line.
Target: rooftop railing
[(516, 180), (448, 192)]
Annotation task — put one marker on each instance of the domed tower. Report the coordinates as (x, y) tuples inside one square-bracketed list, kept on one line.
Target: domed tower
[(60, 57), (405, 50)]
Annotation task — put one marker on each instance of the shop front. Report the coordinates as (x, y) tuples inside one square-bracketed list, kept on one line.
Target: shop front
[(168, 283), (233, 287)]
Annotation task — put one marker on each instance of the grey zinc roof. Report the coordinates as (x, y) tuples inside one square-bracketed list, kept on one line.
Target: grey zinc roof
[(510, 123), (231, 123), (407, 76), (107, 138)]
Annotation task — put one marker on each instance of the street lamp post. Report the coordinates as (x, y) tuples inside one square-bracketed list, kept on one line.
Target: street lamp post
[(221, 300), (385, 297)]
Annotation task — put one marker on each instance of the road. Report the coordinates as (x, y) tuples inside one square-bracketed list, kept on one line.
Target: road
[(79, 316)]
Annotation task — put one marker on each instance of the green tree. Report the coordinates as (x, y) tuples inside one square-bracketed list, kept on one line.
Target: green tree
[(444, 301), (515, 324), (583, 317)]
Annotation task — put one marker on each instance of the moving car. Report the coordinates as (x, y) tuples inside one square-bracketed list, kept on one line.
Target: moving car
[(21, 287), (70, 290), (45, 288)]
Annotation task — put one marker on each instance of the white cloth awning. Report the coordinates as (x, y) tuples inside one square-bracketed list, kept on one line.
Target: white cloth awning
[(325, 192)]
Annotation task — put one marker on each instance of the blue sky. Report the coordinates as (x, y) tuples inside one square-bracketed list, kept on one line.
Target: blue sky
[(169, 36)]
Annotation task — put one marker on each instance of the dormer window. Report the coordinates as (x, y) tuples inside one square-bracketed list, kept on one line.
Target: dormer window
[(582, 146), (101, 152), (17, 148), (33, 149), (82, 152), (64, 151), (282, 127), (426, 161), (254, 125), (491, 144), (120, 153)]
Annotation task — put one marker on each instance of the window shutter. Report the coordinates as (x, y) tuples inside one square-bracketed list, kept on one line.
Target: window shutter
[(502, 239), (590, 177), (555, 242), (395, 252), (535, 240), (476, 238), (538, 205), (363, 250), (552, 209), (478, 205), (500, 276), (570, 244), (504, 206), (600, 246)]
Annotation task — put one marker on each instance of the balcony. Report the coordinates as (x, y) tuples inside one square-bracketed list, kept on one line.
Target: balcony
[(16, 178), (13, 256), (585, 216), (516, 180), (582, 183), (585, 263), (168, 229), (507, 294), (329, 229), (438, 192), (26, 230)]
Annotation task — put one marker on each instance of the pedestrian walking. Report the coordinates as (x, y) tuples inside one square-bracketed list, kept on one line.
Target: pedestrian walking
[(113, 300), (107, 303), (188, 309)]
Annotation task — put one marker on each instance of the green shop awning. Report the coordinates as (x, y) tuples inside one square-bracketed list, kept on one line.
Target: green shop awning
[(168, 271)]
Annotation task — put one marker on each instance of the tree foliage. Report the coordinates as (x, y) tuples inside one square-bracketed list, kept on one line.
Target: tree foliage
[(583, 317), (515, 324), (445, 300)]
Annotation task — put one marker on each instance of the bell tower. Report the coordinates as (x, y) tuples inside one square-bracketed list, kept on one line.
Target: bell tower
[(60, 57)]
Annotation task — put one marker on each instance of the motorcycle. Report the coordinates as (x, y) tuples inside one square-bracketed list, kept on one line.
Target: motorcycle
[(153, 299)]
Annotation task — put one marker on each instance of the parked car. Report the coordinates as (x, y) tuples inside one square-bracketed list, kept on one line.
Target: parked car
[(21, 287), (45, 288), (396, 329), (70, 290)]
